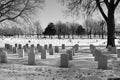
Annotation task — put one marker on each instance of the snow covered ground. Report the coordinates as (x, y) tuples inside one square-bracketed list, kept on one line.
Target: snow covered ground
[(82, 67)]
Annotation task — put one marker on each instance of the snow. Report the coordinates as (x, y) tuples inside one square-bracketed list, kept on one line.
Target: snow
[(82, 67)]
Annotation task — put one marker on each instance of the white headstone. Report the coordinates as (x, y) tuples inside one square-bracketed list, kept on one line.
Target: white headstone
[(92, 49), (76, 47), (70, 53), (63, 46), (3, 56), (51, 51), (97, 53), (102, 62), (109, 47), (43, 54), (14, 50), (21, 52), (113, 50), (64, 60), (31, 56), (56, 49)]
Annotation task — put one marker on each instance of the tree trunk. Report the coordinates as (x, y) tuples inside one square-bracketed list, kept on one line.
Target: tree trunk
[(111, 29)]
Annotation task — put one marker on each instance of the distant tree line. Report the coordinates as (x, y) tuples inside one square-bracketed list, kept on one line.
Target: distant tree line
[(89, 28)]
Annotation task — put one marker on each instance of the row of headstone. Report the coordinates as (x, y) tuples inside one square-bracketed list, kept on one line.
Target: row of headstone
[(99, 56)]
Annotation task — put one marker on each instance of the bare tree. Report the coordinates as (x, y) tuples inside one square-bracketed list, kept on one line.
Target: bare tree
[(89, 6), (12, 9), (38, 28)]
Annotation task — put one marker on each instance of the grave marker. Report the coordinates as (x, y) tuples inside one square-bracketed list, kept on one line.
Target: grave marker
[(76, 47), (102, 62), (3, 56), (63, 46), (113, 50), (50, 46), (70, 53), (92, 49), (56, 49), (51, 51), (109, 47), (19, 46), (16, 45), (43, 54), (64, 60), (14, 50), (21, 52), (31, 56), (118, 53), (45, 46)]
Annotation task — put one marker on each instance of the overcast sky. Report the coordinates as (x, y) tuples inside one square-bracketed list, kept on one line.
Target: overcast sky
[(52, 12)]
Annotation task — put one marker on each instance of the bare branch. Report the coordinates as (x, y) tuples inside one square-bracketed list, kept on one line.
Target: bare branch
[(101, 10), (107, 3), (116, 4)]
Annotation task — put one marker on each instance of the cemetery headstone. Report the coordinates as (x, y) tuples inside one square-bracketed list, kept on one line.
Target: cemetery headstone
[(39, 48), (3, 56), (32, 45), (31, 56), (6, 46), (64, 61), (109, 47), (19, 46), (63, 46), (50, 46), (21, 52), (70, 53), (92, 49), (10, 47), (56, 49), (14, 50), (102, 62), (38, 45), (73, 50), (27, 46), (76, 47), (97, 53), (118, 53), (45, 46), (16, 45), (113, 50), (51, 51), (43, 54)]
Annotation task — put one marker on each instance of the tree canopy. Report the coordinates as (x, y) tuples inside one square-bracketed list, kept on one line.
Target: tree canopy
[(12, 9)]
